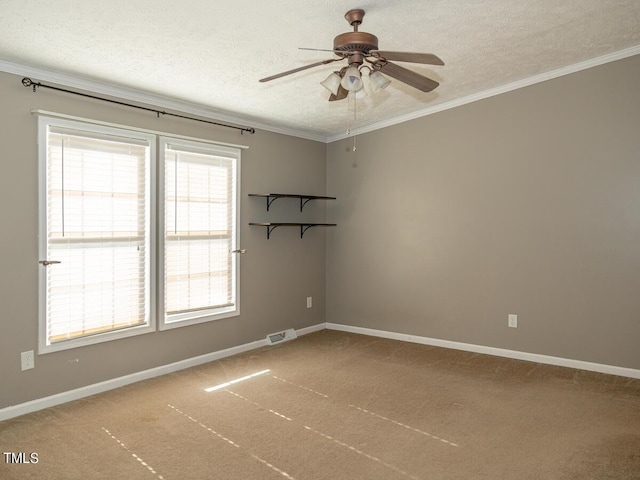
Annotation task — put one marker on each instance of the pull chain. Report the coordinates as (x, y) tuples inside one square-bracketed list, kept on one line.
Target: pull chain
[(62, 185), (355, 104), (350, 124)]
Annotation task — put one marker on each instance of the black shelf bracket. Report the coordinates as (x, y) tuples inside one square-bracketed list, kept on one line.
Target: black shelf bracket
[(270, 200), (304, 228), (304, 199), (271, 226), (303, 202)]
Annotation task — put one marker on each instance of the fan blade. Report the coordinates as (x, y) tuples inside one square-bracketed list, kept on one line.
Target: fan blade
[(317, 49), (341, 53), (341, 95), (427, 58), (413, 79), (299, 69)]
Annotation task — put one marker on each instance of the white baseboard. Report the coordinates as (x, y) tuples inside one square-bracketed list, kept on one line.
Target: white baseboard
[(499, 352), (64, 397), (311, 329)]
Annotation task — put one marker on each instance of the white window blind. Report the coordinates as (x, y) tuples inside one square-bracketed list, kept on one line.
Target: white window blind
[(200, 231), (97, 190)]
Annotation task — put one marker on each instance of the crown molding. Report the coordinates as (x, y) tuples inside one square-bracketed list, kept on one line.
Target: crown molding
[(134, 95), (139, 96), (543, 77)]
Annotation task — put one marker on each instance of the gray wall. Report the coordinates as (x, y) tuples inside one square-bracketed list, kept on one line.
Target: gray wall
[(276, 275), (525, 203)]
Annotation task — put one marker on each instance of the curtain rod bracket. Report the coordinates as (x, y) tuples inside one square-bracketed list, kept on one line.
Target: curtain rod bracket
[(27, 82)]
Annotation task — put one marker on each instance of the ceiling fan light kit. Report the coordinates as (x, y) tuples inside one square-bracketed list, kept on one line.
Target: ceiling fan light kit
[(378, 81), (359, 47), (332, 82), (352, 81)]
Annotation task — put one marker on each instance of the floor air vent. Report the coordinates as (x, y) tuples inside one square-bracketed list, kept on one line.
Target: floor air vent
[(279, 337)]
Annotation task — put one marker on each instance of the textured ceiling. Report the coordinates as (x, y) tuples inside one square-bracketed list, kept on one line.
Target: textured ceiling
[(211, 53)]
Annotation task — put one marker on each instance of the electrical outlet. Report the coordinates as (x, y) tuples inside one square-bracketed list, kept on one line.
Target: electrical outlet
[(27, 360), (513, 320), (309, 302)]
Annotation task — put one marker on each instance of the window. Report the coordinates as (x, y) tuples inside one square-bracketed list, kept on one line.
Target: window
[(98, 204), (199, 233)]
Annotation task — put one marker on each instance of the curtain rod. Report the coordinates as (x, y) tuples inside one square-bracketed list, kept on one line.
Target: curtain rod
[(27, 82)]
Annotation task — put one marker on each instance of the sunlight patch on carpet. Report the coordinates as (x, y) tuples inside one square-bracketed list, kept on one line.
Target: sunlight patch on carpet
[(395, 422), (140, 460), (231, 442), (405, 426), (300, 386), (210, 430), (231, 382), (257, 404), (360, 452)]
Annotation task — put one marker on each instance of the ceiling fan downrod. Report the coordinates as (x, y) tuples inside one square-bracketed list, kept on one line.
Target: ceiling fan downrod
[(354, 17), (355, 44)]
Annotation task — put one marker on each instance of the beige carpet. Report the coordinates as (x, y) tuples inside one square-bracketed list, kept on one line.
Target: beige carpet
[(335, 405)]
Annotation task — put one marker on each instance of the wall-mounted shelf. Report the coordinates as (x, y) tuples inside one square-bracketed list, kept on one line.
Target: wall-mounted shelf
[(304, 199), (271, 226)]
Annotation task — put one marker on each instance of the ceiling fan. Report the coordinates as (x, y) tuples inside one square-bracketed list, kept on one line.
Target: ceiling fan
[(360, 47)]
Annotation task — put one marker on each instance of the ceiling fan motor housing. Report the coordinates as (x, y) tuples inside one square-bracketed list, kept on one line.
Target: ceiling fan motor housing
[(355, 42)]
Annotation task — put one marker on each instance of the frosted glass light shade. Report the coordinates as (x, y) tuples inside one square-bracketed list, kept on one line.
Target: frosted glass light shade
[(378, 81), (332, 83), (359, 93), (351, 80)]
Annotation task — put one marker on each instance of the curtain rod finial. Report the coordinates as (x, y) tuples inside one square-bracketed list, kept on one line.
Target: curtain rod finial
[(27, 82)]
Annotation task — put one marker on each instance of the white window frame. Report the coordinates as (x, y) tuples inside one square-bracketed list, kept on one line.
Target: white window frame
[(180, 320), (44, 346), (157, 318)]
